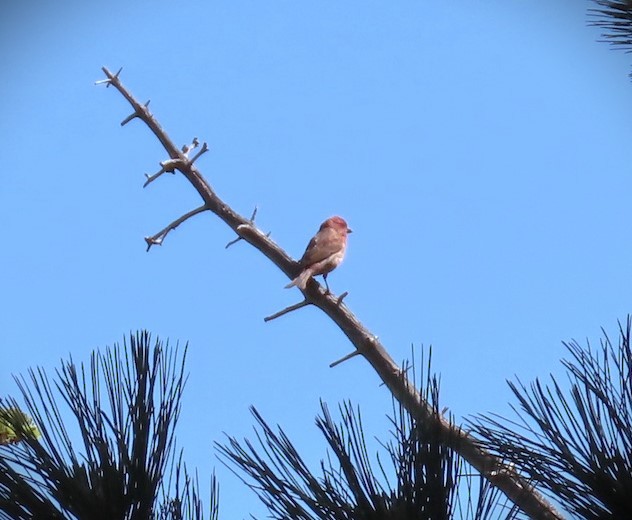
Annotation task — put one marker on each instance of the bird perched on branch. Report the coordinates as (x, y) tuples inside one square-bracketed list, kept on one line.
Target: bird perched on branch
[(324, 252)]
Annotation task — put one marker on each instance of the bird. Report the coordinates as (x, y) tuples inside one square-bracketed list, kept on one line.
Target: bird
[(324, 252)]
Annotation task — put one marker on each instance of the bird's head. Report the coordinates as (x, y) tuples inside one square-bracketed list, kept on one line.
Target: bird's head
[(337, 223)]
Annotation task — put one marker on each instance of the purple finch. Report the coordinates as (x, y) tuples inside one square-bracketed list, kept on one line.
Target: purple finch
[(324, 252)]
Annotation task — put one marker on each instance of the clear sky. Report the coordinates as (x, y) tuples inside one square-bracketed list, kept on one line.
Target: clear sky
[(479, 150)]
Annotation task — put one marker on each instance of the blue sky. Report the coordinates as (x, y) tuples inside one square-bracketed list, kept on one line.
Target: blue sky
[(479, 150)]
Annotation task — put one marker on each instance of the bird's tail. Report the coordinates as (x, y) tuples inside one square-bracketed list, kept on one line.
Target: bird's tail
[(301, 280)]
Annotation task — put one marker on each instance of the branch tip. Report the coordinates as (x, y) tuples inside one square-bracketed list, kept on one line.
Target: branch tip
[(186, 148), (233, 242), (345, 358), (291, 308), (239, 228), (168, 166), (203, 150), (158, 238), (110, 77), (151, 241), (129, 118)]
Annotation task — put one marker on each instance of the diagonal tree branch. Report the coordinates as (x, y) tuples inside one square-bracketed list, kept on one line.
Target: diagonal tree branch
[(518, 489), (158, 238)]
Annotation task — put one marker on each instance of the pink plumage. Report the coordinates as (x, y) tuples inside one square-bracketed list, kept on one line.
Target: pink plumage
[(324, 252)]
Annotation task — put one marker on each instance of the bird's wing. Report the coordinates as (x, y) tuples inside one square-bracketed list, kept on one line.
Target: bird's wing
[(324, 244)]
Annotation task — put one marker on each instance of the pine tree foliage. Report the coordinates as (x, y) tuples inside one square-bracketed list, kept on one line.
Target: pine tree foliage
[(15, 425), (421, 478), (577, 442), (120, 461), (614, 17)]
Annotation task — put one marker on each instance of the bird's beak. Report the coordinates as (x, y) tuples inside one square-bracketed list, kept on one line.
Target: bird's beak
[(349, 230)]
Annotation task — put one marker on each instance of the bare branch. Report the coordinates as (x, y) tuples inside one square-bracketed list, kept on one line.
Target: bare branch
[(188, 147), (232, 242), (108, 81), (345, 358), (291, 308), (157, 239), (168, 166), (132, 116), (252, 221), (129, 118), (505, 478)]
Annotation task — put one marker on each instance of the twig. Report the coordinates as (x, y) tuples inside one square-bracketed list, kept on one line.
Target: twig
[(188, 147), (133, 115), (168, 166), (509, 481), (240, 228), (202, 150), (343, 359), (108, 81), (286, 310), (157, 239), (232, 242), (342, 297)]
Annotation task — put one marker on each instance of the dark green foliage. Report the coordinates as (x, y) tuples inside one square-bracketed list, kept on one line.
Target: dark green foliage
[(423, 479), (615, 18), (576, 443), (126, 405)]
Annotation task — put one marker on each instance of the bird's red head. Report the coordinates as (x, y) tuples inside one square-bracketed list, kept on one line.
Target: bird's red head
[(337, 223)]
